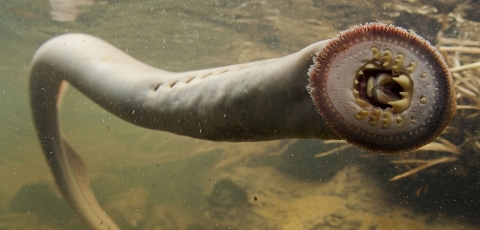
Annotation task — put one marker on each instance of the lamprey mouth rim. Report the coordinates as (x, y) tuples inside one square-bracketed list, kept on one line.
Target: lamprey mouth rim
[(382, 88)]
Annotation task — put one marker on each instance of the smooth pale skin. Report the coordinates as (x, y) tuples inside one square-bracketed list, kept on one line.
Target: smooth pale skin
[(257, 101)]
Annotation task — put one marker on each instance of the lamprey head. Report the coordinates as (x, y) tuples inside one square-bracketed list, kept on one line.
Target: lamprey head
[(382, 88)]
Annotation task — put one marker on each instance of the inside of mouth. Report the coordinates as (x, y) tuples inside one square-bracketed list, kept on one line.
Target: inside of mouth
[(378, 88), (384, 83)]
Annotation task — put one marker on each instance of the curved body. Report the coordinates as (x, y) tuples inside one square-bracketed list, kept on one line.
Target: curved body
[(263, 100), (365, 94)]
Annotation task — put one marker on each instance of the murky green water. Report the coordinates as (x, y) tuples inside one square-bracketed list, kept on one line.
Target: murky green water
[(155, 180)]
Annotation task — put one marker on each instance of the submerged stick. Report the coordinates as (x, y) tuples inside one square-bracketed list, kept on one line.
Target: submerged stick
[(426, 164), (379, 87)]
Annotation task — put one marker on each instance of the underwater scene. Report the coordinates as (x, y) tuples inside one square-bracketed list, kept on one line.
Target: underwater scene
[(150, 179)]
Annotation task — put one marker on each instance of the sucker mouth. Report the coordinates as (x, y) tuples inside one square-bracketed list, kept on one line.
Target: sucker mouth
[(382, 88), (385, 85)]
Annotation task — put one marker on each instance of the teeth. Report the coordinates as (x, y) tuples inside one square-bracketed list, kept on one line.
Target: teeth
[(383, 79), (370, 87), (372, 66), (361, 115), (411, 68), (400, 121), (362, 103), (403, 80), (356, 93), (398, 66), (383, 60), (413, 120), (387, 119), (399, 105), (382, 97), (423, 99), (402, 104), (387, 59), (376, 53), (375, 117)]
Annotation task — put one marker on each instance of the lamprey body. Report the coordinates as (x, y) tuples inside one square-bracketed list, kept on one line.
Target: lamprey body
[(370, 82)]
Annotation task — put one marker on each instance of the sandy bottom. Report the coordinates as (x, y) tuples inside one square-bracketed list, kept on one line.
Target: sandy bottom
[(350, 200)]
